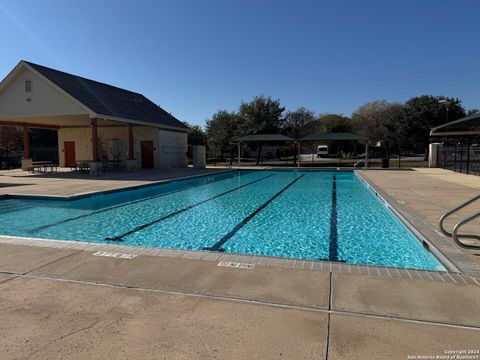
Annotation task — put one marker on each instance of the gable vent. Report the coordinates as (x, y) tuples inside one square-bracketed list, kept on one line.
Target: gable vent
[(28, 85)]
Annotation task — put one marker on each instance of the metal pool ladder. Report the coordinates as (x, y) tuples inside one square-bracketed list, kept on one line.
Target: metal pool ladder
[(454, 234), (358, 162)]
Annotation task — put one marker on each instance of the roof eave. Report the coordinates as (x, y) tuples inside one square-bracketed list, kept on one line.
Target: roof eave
[(11, 75), (139, 122), (455, 122)]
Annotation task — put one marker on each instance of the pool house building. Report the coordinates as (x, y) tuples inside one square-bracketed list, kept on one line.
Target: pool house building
[(96, 123)]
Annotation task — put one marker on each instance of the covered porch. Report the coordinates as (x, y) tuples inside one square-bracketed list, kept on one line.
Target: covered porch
[(103, 144), (456, 145)]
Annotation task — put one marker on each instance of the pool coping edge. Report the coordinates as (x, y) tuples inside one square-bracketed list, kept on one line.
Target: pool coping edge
[(263, 261)]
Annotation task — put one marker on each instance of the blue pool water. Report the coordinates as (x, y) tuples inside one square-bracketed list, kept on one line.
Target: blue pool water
[(314, 215)]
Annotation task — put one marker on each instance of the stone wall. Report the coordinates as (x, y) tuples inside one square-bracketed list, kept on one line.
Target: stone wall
[(173, 149), (83, 144), (170, 148)]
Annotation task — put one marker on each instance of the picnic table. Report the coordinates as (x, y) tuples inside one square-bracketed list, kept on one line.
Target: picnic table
[(81, 166), (42, 166)]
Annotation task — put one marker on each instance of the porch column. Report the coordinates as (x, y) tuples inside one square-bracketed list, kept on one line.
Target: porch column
[(132, 164), (94, 140), (131, 155), (26, 161), (26, 143), (238, 147)]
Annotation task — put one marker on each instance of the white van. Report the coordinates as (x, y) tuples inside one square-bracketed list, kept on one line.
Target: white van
[(322, 151)]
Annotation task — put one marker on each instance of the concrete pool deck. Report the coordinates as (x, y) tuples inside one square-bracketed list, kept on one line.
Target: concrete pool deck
[(71, 304), (58, 300), (66, 183)]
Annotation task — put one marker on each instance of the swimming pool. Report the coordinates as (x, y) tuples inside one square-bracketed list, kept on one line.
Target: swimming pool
[(314, 215)]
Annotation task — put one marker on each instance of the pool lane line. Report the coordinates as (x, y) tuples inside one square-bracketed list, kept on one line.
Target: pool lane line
[(218, 245), (141, 227), (34, 230), (333, 244)]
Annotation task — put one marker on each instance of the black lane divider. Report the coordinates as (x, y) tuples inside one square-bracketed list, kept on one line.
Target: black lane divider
[(141, 227), (34, 230), (333, 248), (218, 245)]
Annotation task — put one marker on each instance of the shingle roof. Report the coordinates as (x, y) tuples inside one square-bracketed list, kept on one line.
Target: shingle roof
[(266, 138), (333, 136), (109, 100)]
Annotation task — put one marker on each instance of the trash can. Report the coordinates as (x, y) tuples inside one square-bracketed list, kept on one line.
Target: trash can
[(385, 163)]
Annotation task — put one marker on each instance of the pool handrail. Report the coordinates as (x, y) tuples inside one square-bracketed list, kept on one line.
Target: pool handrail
[(358, 162), (465, 220), (455, 235)]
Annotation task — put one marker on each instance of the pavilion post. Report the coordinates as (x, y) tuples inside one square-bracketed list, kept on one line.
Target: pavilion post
[(131, 155), (94, 140), (366, 156), (95, 166), (468, 158), (238, 148), (26, 143), (26, 161), (298, 153), (444, 148), (132, 163)]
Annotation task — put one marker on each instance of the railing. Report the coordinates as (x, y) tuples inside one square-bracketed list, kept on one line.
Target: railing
[(455, 236), (358, 162)]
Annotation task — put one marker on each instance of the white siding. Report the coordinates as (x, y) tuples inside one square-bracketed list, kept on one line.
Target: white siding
[(45, 99)]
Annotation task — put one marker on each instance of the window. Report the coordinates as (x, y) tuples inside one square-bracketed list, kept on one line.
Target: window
[(28, 85)]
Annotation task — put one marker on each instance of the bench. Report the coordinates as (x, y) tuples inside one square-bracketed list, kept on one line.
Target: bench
[(82, 166)]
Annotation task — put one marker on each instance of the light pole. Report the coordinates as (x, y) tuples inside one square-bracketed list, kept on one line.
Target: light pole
[(446, 103)]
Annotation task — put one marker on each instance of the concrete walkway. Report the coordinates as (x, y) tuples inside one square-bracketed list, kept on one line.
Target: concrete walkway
[(71, 304)]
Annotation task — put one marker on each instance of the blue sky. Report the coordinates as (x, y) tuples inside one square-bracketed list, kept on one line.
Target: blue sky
[(195, 57)]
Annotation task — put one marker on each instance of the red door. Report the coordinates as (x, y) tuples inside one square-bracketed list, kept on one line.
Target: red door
[(147, 154), (69, 149)]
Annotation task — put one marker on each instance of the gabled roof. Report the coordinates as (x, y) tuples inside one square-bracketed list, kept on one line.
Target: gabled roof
[(265, 138), (108, 100), (334, 136)]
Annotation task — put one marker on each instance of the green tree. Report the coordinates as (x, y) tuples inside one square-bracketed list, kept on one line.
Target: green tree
[(381, 122), (196, 135), (296, 122), (427, 111), (10, 140), (295, 125), (262, 115), (221, 129), (335, 123)]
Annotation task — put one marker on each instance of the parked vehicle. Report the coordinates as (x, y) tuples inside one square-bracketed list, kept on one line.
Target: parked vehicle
[(322, 151)]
